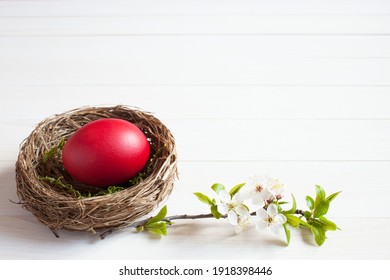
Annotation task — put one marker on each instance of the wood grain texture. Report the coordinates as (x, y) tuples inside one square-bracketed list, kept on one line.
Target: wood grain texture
[(196, 24), (195, 240), (169, 7), (205, 102), (294, 89), (173, 60)]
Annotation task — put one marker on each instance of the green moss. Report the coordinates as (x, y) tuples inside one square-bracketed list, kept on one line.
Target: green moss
[(65, 186), (50, 153)]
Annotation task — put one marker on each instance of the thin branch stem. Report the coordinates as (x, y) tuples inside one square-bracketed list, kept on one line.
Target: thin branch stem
[(179, 217)]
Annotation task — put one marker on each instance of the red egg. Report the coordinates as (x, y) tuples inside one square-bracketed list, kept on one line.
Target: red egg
[(106, 152)]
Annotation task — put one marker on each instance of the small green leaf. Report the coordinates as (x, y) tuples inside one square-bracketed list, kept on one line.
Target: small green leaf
[(307, 214), (288, 233), (214, 211), (332, 196), (293, 220), (319, 234), (236, 189), (321, 209), (217, 187), (304, 224), (140, 228), (157, 228), (204, 198), (293, 208), (327, 224), (310, 202), (320, 196), (282, 202), (161, 215)]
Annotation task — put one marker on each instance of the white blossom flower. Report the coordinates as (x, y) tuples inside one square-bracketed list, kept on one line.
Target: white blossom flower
[(275, 187), (270, 219), (257, 190), (237, 213)]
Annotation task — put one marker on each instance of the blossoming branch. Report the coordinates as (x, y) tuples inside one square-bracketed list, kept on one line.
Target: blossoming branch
[(259, 203)]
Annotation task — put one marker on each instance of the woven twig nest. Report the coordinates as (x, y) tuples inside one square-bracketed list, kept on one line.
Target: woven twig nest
[(56, 207)]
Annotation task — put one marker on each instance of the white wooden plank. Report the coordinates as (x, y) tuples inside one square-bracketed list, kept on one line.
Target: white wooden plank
[(25, 239), (168, 69), (203, 102), (199, 24), (174, 60), (305, 47), (259, 140), (169, 7)]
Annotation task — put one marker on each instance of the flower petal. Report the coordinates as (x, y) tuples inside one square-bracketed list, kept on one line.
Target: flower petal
[(241, 210), (257, 199), (275, 186), (243, 223), (253, 181), (275, 228), (224, 196), (272, 210), (222, 208), (261, 225), (232, 218), (262, 214), (266, 194), (280, 219)]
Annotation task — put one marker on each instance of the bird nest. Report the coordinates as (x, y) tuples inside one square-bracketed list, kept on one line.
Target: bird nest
[(58, 201)]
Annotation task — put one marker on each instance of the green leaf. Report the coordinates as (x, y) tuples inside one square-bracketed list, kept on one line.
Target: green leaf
[(161, 215), (327, 224), (288, 233), (157, 228), (214, 211), (310, 202), (293, 220), (332, 196), (320, 196), (282, 202), (293, 208), (204, 198), (319, 234), (140, 228), (236, 189), (217, 187), (305, 224), (307, 214), (321, 209)]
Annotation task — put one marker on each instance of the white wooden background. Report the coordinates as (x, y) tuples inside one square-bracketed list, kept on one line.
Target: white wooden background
[(295, 89)]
